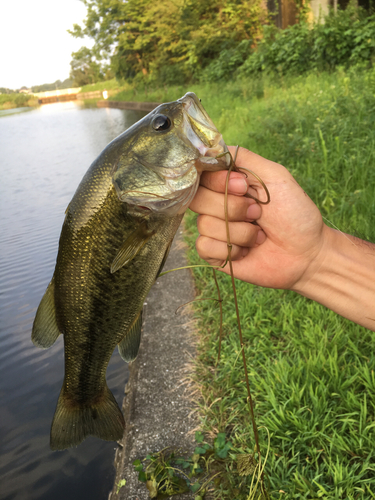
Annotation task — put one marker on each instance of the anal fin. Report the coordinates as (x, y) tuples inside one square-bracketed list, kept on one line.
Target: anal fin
[(129, 345), (45, 329)]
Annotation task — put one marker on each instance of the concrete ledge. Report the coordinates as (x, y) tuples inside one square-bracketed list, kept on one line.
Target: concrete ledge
[(143, 106), (95, 94), (157, 407)]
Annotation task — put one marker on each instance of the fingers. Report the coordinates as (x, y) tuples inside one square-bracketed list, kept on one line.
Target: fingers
[(211, 203), (215, 181), (243, 181), (215, 252), (212, 243), (242, 234)]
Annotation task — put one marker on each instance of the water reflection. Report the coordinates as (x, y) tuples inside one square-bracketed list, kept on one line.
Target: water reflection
[(13, 111), (44, 154)]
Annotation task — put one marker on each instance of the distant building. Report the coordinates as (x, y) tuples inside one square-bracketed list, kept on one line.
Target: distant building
[(25, 90), (285, 10)]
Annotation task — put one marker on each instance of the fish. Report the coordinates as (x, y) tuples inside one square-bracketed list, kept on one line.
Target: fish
[(115, 239)]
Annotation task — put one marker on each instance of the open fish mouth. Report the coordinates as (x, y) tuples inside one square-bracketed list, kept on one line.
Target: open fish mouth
[(178, 141), (203, 135), (200, 131)]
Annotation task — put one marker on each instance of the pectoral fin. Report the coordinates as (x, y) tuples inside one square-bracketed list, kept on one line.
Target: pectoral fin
[(45, 329), (129, 345), (133, 244)]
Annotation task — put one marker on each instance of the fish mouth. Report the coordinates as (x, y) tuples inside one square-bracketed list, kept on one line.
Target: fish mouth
[(169, 184), (203, 135), (213, 155)]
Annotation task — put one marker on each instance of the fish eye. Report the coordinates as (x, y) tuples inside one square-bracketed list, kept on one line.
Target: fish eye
[(161, 122)]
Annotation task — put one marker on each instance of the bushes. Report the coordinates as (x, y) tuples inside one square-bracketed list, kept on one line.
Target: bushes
[(188, 42), (281, 50), (223, 67), (8, 101), (345, 39)]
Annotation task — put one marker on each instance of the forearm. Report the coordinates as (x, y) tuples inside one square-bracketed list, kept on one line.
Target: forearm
[(344, 278)]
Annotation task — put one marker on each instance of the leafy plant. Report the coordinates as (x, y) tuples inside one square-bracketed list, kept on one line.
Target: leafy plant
[(345, 38), (170, 41), (120, 485), (166, 473)]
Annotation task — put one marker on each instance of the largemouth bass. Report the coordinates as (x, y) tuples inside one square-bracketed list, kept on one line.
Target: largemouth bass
[(114, 242)]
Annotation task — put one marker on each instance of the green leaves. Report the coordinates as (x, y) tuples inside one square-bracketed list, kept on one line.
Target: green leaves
[(173, 40), (139, 468), (343, 39), (120, 484), (166, 475), (84, 69), (176, 41), (221, 446)]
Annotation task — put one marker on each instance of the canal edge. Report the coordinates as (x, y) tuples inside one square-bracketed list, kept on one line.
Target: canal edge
[(157, 408), (141, 106)]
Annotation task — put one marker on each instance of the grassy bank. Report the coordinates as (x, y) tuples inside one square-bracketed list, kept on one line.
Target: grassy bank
[(10, 101), (113, 85), (311, 371), (319, 126)]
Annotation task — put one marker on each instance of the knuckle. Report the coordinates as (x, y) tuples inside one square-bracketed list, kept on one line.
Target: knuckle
[(205, 247), (200, 245), (237, 208), (251, 233), (203, 223)]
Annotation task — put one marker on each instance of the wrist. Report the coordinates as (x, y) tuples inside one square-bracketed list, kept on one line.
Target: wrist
[(342, 277)]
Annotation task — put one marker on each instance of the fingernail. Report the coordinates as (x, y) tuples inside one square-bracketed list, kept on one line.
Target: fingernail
[(237, 185)]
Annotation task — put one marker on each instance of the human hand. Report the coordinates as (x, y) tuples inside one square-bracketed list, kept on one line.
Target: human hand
[(282, 250)]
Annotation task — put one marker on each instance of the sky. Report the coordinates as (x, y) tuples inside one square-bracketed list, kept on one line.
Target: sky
[(35, 47)]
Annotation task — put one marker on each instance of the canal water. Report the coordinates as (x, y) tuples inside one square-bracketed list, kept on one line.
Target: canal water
[(43, 156)]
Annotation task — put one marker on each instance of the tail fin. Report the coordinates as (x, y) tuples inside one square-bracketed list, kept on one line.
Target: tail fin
[(72, 423)]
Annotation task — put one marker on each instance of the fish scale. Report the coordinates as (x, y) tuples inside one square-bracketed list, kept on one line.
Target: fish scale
[(114, 299)]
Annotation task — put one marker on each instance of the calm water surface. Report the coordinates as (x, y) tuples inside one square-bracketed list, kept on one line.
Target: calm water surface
[(43, 156)]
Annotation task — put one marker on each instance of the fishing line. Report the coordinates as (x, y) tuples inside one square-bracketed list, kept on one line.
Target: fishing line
[(260, 466), (229, 245)]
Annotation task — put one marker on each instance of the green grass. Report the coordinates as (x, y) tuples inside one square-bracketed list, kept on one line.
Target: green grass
[(311, 371), (10, 101), (107, 85)]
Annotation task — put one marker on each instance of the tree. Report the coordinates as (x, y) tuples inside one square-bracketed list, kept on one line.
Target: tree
[(4, 90), (58, 84), (84, 70), (169, 40)]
